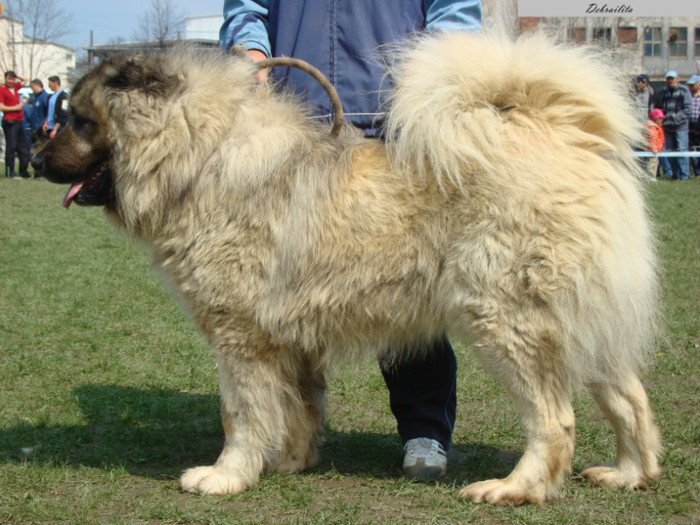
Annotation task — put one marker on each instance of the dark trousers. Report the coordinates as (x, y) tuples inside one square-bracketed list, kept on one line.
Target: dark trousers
[(694, 146), (422, 393), (15, 140)]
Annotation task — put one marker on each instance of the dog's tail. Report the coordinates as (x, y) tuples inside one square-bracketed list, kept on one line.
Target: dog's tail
[(466, 103), (540, 135)]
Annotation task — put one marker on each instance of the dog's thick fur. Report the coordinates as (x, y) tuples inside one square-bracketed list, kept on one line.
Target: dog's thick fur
[(503, 208)]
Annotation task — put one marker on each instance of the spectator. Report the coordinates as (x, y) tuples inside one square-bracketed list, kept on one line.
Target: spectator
[(26, 119), (341, 43), (15, 140), (694, 124), (656, 140), (675, 103), (645, 97), (57, 112), (40, 107)]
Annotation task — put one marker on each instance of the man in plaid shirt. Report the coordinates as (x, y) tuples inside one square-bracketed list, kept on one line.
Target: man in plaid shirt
[(694, 125), (675, 103)]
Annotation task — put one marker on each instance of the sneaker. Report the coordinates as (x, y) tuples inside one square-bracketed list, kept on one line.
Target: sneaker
[(424, 458)]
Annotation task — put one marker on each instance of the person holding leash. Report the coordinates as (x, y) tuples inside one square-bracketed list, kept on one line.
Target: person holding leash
[(341, 39)]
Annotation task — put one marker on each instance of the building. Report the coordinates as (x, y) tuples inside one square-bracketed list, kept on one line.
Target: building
[(638, 45), (203, 28), (200, 30), (32, 57)]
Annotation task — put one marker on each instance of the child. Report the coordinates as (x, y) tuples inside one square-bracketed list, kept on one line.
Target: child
[(656, 140)]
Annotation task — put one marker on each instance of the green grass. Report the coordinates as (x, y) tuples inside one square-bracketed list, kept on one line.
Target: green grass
[(108, 393)]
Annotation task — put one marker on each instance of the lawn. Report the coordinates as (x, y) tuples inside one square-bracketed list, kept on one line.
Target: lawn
[(108, 393)]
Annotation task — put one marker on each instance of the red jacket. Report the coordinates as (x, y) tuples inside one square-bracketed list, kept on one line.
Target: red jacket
[(656, 137), (10, 97)]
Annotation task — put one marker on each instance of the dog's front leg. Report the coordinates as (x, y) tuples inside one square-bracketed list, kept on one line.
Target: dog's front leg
[(251, 412), (271, 416)]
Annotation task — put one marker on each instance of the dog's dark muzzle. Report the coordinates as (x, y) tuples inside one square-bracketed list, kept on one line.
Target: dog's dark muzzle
[(96, 190), (38, 163)]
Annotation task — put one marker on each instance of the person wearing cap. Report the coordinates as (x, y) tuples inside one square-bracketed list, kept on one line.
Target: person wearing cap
[(15, 140), (694, 124), (645, 97), (421, 392), (676, 104), (655, 140)]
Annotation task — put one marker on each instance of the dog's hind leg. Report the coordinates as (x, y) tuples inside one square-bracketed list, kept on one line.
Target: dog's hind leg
[(626, 405), (260, 399), (528, 365)]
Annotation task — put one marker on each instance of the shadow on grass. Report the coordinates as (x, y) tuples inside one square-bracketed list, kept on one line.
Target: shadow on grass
[(159, 433)]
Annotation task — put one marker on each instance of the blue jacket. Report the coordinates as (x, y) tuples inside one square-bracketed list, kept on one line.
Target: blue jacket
[(27, 117), (40, 108), (339, 37)]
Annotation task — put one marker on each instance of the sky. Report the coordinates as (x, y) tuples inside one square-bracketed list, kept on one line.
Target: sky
[(110, 19)]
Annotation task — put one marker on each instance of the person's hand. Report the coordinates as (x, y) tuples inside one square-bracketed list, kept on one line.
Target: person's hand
[(52, 135), (257, 56)]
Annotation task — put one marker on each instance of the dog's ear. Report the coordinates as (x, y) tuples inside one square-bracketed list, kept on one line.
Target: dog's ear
[(144, 74)]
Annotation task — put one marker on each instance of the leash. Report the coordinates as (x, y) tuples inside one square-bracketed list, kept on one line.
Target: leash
[(309, 69), (319, 77)]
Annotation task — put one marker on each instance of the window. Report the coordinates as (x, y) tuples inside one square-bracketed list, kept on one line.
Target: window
[(678, 42), (576, 35), (602, 34), (529, 23), (697, 41), (652, 42), (627, 35)]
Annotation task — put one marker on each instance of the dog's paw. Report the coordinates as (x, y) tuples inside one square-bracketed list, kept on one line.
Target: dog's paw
[(211, 480), (292, 463), (616, 478), (502, 492)]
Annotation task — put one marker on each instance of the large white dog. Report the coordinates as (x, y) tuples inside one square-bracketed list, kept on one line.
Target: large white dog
[(503, 208)]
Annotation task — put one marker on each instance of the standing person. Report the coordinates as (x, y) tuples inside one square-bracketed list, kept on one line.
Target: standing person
[(26, 119), (656, 140), (15, 140), (57, 111), (40, 106), (341, 39), (645, 97), (694, 124), (675, 103)]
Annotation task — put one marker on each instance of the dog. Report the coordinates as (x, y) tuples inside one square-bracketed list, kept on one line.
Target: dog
[(504, 207)]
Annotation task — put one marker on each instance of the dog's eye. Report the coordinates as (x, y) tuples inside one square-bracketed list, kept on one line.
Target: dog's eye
[(80, 123)]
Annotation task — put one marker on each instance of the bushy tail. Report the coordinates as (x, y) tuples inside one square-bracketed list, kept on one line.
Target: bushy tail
[(539, 135), (467, 102)]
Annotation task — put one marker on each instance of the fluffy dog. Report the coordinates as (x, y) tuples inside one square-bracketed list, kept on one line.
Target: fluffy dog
[(504, 208)]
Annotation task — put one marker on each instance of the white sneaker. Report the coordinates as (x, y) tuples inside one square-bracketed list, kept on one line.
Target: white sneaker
[(424, 458)]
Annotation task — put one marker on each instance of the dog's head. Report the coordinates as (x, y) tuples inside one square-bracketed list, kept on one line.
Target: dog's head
[(81, 154)]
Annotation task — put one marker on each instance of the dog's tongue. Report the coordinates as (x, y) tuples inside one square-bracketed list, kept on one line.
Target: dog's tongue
[(72, 192)]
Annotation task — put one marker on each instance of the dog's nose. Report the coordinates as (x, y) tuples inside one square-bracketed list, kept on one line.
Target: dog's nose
[(38, 163)]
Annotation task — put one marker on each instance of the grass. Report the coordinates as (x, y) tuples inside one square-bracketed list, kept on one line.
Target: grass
[(108, 393)]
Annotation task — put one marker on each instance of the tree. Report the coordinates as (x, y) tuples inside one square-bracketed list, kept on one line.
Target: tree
[(162, 22), (30, 25)]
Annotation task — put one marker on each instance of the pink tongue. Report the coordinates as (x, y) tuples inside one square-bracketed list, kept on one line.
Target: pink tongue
[(72, 192)]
